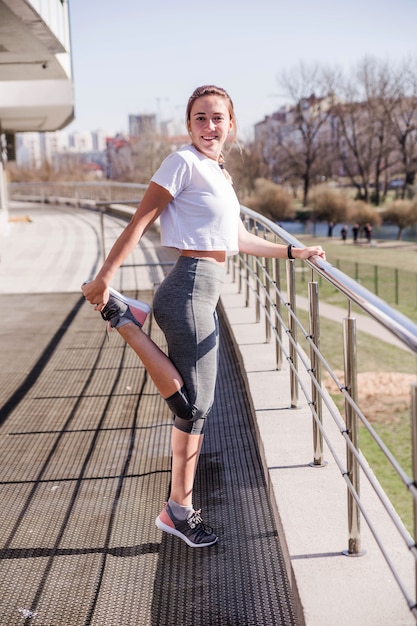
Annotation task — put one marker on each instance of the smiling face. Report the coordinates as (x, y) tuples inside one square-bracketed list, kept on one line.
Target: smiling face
[(209, 125)]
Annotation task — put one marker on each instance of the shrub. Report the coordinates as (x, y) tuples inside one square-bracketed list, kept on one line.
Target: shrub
[(328, 204), (402, 213), (362, 213), (271, 200)]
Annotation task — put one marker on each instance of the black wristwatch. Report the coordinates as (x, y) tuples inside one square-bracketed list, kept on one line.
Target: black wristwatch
[(289, 252)]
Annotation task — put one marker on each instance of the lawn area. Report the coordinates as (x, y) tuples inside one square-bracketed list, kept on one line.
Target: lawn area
[(385, 374), (394, 254), (388, 270)]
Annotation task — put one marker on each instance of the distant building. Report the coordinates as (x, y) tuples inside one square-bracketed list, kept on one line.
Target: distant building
[(99, 140), (113, 154), (142, 125), (118, 156), (33, 149), (81, 141), (28, 150)]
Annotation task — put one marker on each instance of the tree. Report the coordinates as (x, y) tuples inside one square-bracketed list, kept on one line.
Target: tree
[(306, 138), (328, 204), (271, 200), (146, 154), (402, 213), (363, 127), (245, 166), (362, 213), (68, 167), (401, 108)]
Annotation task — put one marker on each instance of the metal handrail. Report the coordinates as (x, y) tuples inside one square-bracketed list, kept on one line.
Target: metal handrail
[(261, 278), (79, 192), (264, 287), (399, 325)]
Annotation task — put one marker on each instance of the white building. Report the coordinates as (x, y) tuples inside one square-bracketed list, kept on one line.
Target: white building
[(33, 149), (36, 85), (28, 150)]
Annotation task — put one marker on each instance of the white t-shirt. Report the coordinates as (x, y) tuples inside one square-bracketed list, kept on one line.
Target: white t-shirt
[(205, 212)]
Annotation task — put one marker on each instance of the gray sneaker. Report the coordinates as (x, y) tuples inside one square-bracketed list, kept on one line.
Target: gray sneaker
[(192, 530), (121, 310)]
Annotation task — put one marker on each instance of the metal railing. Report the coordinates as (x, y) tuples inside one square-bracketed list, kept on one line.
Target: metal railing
[(79, 193), (261, 279)]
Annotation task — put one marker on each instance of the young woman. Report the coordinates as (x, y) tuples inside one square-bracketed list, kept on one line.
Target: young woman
[(199, 214)]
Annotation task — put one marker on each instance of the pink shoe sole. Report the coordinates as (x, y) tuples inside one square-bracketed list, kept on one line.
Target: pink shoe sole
[(139, 310)]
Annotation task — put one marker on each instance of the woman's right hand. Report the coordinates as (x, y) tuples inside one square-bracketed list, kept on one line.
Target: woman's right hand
[(96, 293)]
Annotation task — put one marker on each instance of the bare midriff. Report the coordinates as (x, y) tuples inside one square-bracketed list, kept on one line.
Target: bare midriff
[(218, 256)]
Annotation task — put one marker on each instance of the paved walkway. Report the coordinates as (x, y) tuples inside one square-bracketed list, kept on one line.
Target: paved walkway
[(85, 463), (78, 487)]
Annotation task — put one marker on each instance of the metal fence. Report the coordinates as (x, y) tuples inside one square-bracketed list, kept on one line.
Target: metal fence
[(262, 279), (397, 286), (78, 193), (275, 295)]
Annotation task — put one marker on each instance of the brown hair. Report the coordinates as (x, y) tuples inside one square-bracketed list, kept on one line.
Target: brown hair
[(212, 90)]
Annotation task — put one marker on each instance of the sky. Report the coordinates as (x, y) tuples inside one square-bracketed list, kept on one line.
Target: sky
[(148, 56)]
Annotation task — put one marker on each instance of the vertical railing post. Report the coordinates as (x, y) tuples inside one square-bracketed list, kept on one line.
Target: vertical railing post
[(292, 327), (267, 287), (313, 300), (247, 281), (258, 288), (230, 268), (350, 366), (102, 210), (257, 273), (414, 468), (241, 268), (277, 324), (239, 273)]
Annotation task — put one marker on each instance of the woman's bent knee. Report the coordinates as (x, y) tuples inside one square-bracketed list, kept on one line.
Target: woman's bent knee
[(191, 427), (181, 406), (187, 417)]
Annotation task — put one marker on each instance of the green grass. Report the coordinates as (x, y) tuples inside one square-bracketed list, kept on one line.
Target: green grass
[(398, 441), (394, 429), (373, 355), (394, 254), (388, 270)]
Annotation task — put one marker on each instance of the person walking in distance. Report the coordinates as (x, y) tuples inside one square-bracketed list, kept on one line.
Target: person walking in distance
[(193, 195), (355, 233), (368, 232)]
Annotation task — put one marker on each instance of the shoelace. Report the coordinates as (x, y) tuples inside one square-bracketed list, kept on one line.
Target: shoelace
[(109, 311), (195, 520)]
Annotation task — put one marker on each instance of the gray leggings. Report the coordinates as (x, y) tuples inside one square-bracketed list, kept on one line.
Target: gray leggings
[(184, 307)]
